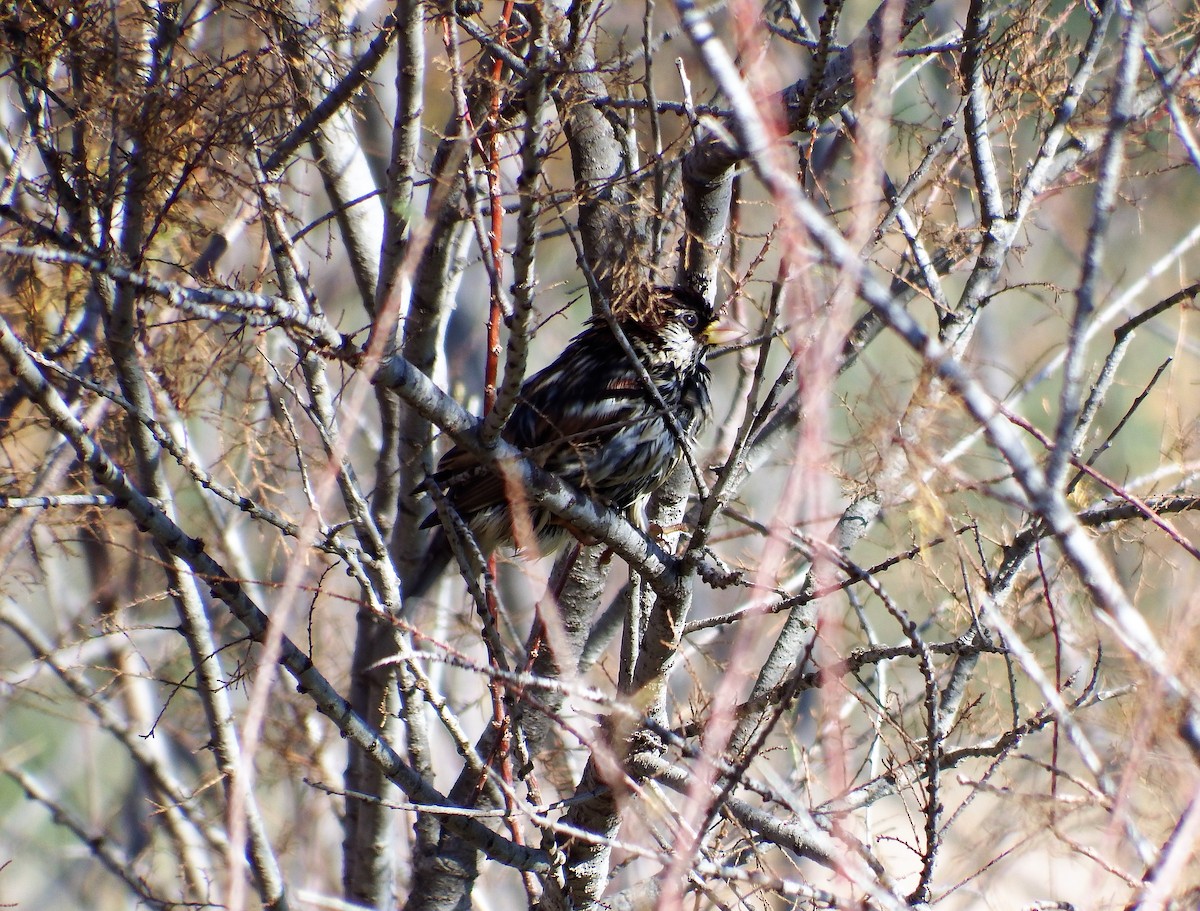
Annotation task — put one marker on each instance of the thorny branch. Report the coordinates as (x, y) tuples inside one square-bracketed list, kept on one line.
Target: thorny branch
[(243, 290)]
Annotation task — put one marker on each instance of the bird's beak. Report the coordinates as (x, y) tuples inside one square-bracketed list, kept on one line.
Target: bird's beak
[(717, 336)]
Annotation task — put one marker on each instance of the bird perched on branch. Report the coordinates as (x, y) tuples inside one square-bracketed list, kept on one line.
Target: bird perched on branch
[(590, 419)]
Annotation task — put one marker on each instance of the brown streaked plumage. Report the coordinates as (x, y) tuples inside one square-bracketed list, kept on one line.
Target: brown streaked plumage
[(588, 419)]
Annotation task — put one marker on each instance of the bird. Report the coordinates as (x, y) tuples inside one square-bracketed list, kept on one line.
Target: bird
[(590, 419)]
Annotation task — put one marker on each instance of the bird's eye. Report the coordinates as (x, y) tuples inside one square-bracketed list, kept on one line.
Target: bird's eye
[(690, 319)]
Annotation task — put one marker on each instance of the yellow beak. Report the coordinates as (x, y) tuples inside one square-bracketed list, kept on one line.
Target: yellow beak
[(717, 335)]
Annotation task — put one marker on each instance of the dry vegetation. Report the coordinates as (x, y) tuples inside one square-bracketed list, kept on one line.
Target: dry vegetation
[(922, 638)]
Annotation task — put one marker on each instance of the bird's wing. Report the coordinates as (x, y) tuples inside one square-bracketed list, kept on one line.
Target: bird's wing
[(564, 421), (603, 399)]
